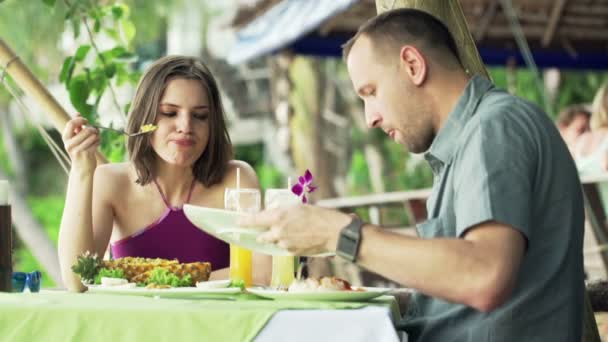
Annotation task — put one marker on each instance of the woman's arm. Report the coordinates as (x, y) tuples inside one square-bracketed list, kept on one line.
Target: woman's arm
[(76, 234)]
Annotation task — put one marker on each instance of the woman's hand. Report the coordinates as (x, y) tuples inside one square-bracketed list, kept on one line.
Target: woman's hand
[(81, 144)]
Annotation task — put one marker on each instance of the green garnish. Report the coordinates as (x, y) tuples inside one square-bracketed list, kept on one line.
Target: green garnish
[(161, 276), (240, 283), (109, 273), (87, 266)]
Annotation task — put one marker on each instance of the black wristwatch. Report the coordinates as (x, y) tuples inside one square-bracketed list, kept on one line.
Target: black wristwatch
[(349, 240)]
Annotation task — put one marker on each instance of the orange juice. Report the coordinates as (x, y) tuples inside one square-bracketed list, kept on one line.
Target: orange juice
[(243, 200), (240, 265)]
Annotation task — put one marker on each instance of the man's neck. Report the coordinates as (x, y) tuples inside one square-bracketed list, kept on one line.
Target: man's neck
[(447, 91)]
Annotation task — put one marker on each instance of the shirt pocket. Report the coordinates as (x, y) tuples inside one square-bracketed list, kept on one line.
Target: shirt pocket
[(431, 228)]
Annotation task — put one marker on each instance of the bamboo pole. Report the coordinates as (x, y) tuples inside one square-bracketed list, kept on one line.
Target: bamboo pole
[(450, 13), (33, 88)]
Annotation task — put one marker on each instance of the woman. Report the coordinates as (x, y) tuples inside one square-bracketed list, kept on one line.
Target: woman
[(591, 151), (136, 206)]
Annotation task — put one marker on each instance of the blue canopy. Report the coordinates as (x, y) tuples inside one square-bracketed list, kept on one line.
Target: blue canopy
[(282, 25)]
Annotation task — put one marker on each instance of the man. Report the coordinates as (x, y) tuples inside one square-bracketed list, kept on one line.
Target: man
[(572, 122), (500, 258)]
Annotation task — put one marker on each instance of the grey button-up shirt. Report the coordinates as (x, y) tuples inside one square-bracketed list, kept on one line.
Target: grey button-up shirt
[(500, 158)]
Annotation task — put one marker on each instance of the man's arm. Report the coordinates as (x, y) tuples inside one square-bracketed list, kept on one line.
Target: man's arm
[(478, 270)]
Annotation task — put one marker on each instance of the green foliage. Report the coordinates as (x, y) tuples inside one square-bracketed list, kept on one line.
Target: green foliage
[(576, 87), (269, 176), (47, 210), (253, 155), (32, 31), (579, 87), (115, 146), (90, 72), (358, 175), (87, 79), (36, 46)]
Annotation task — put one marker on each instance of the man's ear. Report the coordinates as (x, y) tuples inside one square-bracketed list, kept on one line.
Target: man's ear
[(414, 64)]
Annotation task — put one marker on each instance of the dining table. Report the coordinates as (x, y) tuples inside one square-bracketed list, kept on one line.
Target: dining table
[(59, 315)]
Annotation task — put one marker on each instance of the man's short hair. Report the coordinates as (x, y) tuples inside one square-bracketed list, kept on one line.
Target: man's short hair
[(567, 115), (398, 27)]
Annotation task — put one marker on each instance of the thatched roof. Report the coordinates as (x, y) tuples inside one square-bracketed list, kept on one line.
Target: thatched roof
[(571, 26)]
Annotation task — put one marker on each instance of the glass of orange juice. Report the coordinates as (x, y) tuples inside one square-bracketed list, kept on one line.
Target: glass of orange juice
[(283, 267), (247, 201)]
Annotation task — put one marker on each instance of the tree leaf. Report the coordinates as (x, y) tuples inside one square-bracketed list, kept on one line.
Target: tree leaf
[(97, 26), (110, 70), (117, 11), (79, 90), (75, 26), (67, 70), (128, 29), (49, 3), (81, 53), (113, 34)]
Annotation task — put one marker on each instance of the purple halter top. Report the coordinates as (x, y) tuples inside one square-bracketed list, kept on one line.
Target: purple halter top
[(173, 236)]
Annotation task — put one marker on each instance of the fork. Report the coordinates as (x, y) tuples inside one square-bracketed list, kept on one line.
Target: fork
[(121, 131)]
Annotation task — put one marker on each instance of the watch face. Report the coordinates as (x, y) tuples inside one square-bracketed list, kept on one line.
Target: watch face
[(347, 246), (350, 238)]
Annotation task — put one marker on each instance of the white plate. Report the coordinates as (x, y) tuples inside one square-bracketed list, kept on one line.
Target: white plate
[(332, 296), (174, 292), (213, 284), (222, 224)]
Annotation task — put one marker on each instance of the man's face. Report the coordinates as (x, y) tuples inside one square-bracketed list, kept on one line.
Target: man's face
[(392, 102)]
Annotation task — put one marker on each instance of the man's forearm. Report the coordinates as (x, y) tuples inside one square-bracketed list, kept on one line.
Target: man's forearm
[(451, 269)]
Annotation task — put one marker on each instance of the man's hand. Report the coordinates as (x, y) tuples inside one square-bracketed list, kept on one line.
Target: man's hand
[(301, 229)]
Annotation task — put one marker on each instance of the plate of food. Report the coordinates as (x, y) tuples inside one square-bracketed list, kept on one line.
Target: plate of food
[(324, 289), (150, 277), (223, 225)]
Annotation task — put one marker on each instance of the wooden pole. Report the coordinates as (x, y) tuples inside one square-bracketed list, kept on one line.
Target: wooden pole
[(450, 13), (32, 87)]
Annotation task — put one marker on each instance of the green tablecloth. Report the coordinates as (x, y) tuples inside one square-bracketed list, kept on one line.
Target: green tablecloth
[(62, 316)]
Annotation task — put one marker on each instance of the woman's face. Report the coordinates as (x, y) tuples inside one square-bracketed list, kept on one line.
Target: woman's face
[(183, 122)]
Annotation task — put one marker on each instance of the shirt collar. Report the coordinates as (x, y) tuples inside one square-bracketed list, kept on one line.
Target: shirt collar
[(443, 145)]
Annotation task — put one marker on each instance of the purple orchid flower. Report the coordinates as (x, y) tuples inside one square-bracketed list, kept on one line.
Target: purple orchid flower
[(304, 185)]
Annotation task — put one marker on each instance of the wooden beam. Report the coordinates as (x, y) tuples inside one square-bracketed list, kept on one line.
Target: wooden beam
[(485, 21), (33, 88), (536, 32), (556, 13), (588, 10)]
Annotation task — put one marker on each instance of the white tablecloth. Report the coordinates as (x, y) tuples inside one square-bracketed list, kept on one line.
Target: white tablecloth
[(365, 324)]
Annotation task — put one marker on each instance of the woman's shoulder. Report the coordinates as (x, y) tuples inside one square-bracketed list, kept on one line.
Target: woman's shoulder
[(114, 174), (248, 176), (114, 169)]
